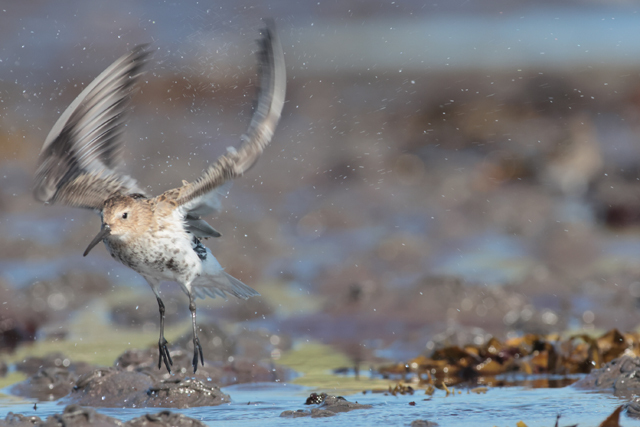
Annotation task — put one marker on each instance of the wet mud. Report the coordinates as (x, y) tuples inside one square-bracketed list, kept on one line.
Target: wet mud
[(78, 416), (135, 380)]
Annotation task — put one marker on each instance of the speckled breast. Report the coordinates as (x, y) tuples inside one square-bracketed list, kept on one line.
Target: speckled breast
[(162, 257)]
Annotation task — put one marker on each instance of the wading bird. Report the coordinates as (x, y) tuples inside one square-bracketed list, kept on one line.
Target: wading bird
[(159, 237)]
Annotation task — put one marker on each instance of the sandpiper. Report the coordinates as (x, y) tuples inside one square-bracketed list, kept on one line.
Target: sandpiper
[(159, 237)]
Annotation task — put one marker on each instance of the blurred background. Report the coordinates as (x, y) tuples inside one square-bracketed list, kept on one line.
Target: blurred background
[(443, 172)]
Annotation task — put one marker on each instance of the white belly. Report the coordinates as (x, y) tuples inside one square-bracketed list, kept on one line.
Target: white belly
[(165, 256)]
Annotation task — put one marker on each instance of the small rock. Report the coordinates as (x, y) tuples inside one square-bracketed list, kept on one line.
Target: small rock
[(77, 416), (423, 423), (340, 404), (163, 419), (111, 387), (183, 393), (621, 376), (633, 408), (19, 420), (321, 413), (314, 413), (48, 384), (329, 406), (295, 414)]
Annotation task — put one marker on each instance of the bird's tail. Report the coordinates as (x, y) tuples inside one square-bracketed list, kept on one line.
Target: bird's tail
[(216, 282), (222, 284)]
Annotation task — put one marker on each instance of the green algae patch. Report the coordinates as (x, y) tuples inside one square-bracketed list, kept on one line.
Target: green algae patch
[(91, 339), (316, 363), (288, 300)]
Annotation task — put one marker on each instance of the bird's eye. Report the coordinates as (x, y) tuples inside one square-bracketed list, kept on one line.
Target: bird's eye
[(125, 215)]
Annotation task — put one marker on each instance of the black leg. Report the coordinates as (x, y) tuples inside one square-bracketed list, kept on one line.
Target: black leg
[(162, 343), (197, 349)]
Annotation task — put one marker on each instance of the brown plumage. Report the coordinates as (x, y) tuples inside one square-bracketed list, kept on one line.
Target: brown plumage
[(157, 237)]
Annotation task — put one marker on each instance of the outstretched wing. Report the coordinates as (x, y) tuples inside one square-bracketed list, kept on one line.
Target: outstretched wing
[(79, 157), (198, 198)]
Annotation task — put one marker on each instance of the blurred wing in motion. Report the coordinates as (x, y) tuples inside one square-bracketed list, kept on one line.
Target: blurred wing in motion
[(79, 158), (198, 198)]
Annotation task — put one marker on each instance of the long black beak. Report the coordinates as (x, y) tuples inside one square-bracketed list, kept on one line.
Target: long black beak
[(104, 232)]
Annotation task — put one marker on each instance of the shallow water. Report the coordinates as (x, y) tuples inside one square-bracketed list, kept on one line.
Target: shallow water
[(262, 403)]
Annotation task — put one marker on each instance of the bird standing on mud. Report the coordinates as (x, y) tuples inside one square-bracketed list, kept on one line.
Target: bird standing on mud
[(158, 237)]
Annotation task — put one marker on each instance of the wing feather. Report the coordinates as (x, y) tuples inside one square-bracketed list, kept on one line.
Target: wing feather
[(79, 157), (271, 96)]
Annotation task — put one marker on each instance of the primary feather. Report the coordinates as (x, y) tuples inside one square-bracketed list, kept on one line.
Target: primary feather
[(79, 157), (271, 96)]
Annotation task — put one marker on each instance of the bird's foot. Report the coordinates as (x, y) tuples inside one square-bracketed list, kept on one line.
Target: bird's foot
[(197, 350), (164, 355)]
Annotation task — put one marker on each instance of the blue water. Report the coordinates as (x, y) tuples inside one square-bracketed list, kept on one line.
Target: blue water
[(261, 404)]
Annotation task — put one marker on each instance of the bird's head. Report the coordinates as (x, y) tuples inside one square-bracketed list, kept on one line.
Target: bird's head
[(121, 217)]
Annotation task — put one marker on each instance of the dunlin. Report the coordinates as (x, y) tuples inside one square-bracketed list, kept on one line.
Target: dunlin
[(159, 237)]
